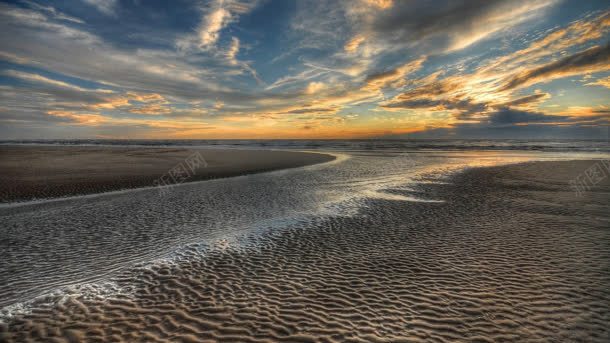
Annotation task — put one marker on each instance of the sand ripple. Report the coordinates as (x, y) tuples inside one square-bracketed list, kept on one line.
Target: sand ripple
[(510, 255)]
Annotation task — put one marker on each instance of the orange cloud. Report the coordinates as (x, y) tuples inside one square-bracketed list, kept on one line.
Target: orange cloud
[(381, 4), (139, 103), (352, 45), (601, 82), (580, 111), (86, 119)]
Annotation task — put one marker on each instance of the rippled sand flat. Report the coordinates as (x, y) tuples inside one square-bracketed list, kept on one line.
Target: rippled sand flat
[(510, 255)]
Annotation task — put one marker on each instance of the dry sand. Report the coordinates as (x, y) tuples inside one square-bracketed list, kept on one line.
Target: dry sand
[(511, 256), (28, 172)]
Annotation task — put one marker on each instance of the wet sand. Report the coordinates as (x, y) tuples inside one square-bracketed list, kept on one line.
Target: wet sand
[(511, 255), (28, 172)]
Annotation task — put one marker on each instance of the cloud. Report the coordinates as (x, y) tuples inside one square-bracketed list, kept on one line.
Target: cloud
[(506, 116), (353, 44), (313, 110), (483, 90), (107, 7), (602, 111), (377, 28), (507, 123), (552, 44), (216, 20), (216, 16), (72, 51), (463, 108), (591, 60), (153, 109), (526, 100), (34, 21), (231, 56), (88, 119), (496, 20), (393, 77), (233, 51), (42, 95), (426, 91), (314, 87), (137, 103), (303, 76), (381, 4), (52, 82), (528, 132), (340, 57), (601, 82), (92, 119), (450, 24), (53, 12), (318, 24)]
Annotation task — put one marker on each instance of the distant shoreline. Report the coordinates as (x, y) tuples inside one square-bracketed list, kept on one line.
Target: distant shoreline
[(569, 145), (45, 172)]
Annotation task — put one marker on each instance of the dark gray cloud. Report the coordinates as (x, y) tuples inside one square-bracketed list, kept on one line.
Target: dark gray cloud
[(381, 75), (418, 19), (475, 131), (507, 123), (438, 24), (528, 99), (430, 89), (508, 116)]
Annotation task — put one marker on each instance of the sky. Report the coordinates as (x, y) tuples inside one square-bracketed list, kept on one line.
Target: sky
[(306, 69)]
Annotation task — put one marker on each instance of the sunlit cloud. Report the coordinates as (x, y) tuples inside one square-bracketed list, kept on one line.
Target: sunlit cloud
[(353, 44), (88, 119), (315, 87), (48, 81), (382, 4), (211, 26), (605, 82), (496, 20), (592, 60), (217, 15), (487, 94)]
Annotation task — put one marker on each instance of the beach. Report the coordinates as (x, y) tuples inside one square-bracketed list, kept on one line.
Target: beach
[(504, 253), (28, 172)]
